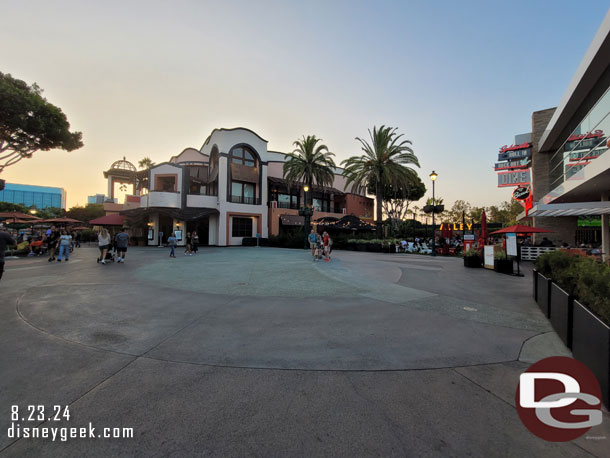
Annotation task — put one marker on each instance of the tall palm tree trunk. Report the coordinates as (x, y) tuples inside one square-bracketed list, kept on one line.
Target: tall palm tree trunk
[(379, 203)]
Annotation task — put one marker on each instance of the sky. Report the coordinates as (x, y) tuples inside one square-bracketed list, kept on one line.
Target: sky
[(150, 78)]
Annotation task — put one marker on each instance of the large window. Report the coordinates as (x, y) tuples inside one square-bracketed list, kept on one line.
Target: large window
[(321, 203), (242, 193), (243, 155), (242, 227), (165, 183), (197, 179)]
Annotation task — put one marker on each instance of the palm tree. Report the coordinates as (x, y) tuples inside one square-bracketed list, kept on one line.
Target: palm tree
[(146, 163), (385, 161), (310, 163)]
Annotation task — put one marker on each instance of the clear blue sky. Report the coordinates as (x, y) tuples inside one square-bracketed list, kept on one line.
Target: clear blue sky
[(150, 78)]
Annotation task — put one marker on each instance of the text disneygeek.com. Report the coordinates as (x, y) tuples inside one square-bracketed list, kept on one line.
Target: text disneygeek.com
[(20, 429)]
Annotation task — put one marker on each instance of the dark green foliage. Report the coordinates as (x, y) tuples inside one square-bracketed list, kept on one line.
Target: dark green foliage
[(28, 123), (310, 163), (585, 278)]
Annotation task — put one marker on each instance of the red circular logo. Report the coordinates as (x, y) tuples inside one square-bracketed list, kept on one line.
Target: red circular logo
[(558, 399)]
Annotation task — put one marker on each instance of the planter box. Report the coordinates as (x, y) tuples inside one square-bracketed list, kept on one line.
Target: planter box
[(591, 346), (361, 246), (374, 247), (472, 261), (503, 266), (535, 272), (561, 312), (544, 294)]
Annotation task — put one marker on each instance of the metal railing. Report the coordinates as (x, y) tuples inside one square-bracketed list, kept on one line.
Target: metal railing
[(531, 253), (244, 200)]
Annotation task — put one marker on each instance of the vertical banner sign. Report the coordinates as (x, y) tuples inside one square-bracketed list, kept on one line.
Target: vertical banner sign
[(511, 244), (488, 256)]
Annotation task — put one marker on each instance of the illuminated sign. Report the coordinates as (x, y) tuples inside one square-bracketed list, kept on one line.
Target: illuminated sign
[(521, 193), (594, 134), (455, 226), (514, 154), (518, 164), (587, 154), (516, 178), (505, 148)]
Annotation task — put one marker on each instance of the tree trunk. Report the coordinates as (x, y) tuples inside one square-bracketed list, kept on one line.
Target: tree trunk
[(379, 201)]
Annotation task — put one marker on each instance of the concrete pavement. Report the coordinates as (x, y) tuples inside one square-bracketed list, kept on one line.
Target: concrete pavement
[(261, 352)]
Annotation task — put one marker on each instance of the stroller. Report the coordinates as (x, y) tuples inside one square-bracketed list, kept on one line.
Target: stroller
[(318, 252), (110, 254)]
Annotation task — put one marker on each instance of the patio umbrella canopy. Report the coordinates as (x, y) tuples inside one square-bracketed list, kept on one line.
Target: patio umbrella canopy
[(60, 220), (18, 215), (520, 229), (108, 220)]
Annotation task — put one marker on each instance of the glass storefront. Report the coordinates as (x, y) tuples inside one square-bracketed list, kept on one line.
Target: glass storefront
[(586, 143)]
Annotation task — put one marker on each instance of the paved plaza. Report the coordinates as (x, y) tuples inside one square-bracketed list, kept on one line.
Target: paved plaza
[(262, 352)]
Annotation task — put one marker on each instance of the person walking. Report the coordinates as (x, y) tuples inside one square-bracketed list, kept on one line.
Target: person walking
[(327, 244), (52, 239), (65, 240), (194, 242), (77, 238), (187, 249), (5, 241), (103, 241), (122, 240), (313, 241), (171, 241)]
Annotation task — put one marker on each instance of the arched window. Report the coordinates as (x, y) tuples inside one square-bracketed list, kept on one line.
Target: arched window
[(243, 175), (243, 155)]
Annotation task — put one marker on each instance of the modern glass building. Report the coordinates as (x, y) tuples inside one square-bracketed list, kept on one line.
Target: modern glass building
[(30, 195), (570, 159)]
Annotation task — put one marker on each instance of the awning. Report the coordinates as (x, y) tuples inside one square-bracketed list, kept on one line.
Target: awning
[(571, 209), (108, 220), (292, 220), (137, 215), (281, 182)]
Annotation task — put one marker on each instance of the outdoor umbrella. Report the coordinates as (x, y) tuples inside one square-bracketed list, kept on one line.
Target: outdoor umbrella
[(18, 215), (520, 229), (61, 220), (108, 220), (81, 228)]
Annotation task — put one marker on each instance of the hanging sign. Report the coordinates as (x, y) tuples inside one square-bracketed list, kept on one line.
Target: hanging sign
[(455, 226), (521, 193), (514, 178)]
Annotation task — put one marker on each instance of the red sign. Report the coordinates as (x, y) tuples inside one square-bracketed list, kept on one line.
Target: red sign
[(515, 147), (594, 134)]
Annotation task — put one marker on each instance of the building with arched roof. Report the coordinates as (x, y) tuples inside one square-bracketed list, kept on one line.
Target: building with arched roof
[(231, 188)]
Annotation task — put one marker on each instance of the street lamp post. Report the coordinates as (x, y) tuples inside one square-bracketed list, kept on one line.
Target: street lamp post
[(433, 177), (306, 213)]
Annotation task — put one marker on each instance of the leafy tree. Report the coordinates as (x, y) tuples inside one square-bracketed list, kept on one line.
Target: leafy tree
[(385, 161), (506, 213), (459, 206), (310, 163), (28, 123), (475, 213), (396, 200), (86, 213), (145, 163)]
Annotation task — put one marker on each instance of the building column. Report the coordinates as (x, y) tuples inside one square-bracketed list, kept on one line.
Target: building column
[(605, 230)]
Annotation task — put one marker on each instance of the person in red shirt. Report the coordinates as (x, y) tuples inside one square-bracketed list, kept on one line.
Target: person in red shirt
[(327, 244)]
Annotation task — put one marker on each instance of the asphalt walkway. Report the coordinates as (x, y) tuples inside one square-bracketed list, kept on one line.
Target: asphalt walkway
[(262, 352)]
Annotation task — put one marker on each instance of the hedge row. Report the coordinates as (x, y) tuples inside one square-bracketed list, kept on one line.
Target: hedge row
[(585, 278)]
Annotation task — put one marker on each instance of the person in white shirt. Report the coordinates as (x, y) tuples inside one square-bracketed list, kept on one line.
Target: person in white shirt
[(103, 240), (65, 240)]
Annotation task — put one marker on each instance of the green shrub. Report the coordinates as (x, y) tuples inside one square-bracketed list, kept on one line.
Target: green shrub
[(472, 252), (500, 256), (585, 278)]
